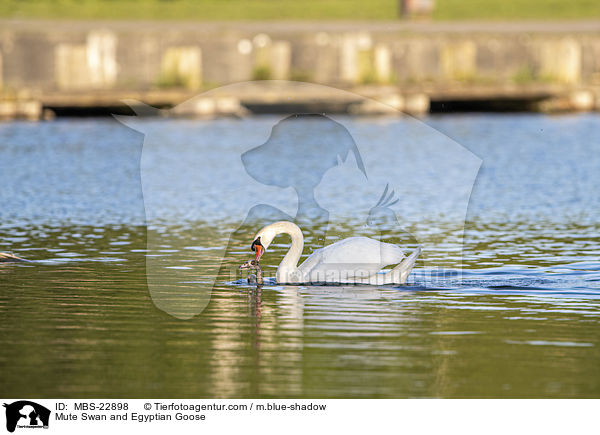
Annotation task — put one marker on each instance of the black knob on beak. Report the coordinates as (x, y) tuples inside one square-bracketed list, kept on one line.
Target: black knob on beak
[(258, 249)]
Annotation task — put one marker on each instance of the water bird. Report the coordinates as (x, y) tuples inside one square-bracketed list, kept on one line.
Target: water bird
[(253, 278), (355, 260), (10, 258)]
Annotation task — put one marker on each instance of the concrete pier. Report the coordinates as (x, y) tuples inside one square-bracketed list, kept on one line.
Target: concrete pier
[(89, 67)]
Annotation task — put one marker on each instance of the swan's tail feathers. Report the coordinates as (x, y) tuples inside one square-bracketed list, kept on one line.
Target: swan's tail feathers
[(399, 274)]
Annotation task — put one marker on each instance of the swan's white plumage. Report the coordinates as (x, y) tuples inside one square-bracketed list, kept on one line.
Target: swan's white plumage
[(370, 254), (356, 260)]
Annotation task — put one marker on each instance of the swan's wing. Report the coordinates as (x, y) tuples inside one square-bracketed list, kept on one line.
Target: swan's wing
[(311, 262), (337, 272), (351, 258), (359, 250)]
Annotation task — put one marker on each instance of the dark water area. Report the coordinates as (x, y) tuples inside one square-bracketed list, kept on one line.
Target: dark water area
[(510, 309)]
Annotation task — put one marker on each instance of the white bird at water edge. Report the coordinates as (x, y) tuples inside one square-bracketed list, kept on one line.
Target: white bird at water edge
[(10, 258)]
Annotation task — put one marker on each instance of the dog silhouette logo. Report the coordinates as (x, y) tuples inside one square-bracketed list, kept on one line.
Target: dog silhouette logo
[(26, 414)]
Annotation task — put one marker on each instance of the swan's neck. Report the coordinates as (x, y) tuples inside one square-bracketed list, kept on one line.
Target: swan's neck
[(289, 265)]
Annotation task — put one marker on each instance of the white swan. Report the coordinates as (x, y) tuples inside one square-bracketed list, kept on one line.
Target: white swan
[(355, 260)]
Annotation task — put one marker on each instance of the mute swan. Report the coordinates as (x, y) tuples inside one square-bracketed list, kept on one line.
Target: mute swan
[(355, 260), (252, 278)]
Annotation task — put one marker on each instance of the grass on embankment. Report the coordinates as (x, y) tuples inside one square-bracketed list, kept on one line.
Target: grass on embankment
[(294, 9)]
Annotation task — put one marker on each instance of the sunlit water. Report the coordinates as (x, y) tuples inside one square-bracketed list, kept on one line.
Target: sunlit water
[(521, 319)]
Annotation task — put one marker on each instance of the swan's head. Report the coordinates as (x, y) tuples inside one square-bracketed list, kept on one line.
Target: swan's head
[(264, 237), (258, 246)]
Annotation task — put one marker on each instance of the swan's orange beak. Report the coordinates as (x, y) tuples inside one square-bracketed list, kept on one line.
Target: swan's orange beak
[(258, 249)]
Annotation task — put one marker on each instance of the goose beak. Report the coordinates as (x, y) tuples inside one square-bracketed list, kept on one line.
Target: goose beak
[(258, 249)]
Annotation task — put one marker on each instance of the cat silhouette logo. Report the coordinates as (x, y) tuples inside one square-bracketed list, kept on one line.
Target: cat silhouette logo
[(26, 414)]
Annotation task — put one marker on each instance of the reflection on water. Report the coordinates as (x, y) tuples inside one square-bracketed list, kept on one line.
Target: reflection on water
[(522, 320)]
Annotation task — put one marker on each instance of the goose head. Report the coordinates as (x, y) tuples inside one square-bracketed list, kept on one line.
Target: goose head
[(250, 264)]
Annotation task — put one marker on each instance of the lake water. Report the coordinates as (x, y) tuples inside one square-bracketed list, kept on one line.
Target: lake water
[(510, 310)]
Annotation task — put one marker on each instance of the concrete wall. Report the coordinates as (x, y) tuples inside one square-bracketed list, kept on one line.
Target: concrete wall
[(47, 56)]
